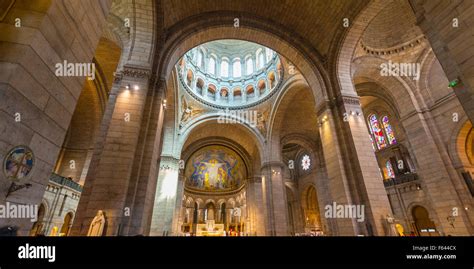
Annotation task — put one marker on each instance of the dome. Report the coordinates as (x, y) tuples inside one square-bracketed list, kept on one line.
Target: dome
[(230, 73)]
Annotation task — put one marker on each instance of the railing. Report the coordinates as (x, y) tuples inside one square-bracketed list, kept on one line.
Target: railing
[(400, 179), (65, 182)]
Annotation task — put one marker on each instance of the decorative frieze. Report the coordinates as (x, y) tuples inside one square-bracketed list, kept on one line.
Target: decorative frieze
[(136, 72)]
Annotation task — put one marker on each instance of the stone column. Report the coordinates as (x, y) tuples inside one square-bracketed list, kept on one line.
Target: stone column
[(275, 196), (256, 90), (145, 168), (178, 220), (108, 179), (353, 174), (231, 95), (228, 216), (166, 196), (255, 206), (193, 83), (204, 91), (191, 215), (201, 215)]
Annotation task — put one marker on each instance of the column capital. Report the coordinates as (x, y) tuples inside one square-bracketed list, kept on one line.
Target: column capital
[(136, 72), (256, 179), (273, 164)]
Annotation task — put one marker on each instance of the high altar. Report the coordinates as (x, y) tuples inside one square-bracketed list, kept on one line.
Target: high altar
[(210, 228)]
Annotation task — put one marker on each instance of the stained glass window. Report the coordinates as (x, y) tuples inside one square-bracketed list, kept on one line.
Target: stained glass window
[(390, 173), (377, 132), (388, 131)]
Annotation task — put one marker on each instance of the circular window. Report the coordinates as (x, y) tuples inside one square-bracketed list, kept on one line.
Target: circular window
[(18, 163), (305, 162)]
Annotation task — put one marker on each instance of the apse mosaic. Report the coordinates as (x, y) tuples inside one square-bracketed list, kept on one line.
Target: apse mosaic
[(215, 168), (18, 163)]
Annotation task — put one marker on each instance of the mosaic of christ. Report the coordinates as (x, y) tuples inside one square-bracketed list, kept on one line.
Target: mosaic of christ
[(215, 168)]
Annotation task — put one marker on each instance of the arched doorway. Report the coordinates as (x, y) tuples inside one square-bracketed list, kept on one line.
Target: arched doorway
[(312, 217), (38, 226), (422, 223), (67, 224)]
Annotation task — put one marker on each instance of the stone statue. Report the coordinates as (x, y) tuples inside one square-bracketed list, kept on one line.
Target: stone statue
[(262, 122), (97, 225), (391, 223), (187, 111)]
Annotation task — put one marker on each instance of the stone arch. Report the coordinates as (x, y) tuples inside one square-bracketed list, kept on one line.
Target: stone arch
[(241, 151), (200, 203), (66, 226), (431, 213), (213, 118), (277, 113), (194, 31), (77, 148), (372, 88), (39, 226), (189, 202), (311, 204), (457, 144), (346, 53), (366, 69), (231, 203)]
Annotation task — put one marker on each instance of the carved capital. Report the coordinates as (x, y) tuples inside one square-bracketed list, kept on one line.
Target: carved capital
[(134, 72), (118, 77), (348, 100)]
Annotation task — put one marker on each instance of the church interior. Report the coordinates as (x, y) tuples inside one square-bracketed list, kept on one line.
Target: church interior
[(237, 118)]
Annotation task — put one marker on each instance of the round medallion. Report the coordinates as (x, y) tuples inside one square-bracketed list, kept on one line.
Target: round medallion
[(18, 163)]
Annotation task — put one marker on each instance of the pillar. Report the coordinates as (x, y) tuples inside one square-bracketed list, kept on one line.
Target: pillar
[(109, 177), (275, 196), (353, 173), (166, 197), (255, 206)]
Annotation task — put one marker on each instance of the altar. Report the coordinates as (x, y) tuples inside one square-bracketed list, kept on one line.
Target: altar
[(210, 228)]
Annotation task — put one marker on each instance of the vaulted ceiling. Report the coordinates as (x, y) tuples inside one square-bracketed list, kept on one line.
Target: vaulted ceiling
[(318, 21)]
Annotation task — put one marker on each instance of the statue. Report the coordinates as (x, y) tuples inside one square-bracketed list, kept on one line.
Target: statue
[(188, 111), (392, 230), (262, 122), (97, 225)]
